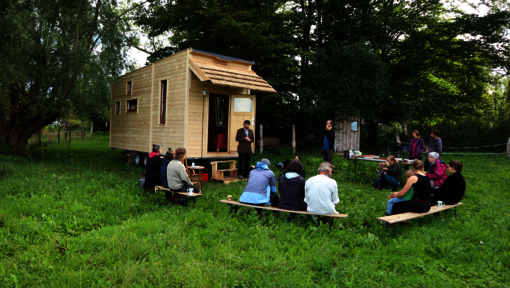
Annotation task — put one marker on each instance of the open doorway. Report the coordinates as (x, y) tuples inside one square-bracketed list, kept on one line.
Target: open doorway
[(218, 123)]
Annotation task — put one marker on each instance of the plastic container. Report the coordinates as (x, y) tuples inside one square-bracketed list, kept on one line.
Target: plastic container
[(205, 177)]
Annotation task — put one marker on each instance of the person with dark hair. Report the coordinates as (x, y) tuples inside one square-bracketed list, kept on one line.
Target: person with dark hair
[(301, 161), (420, 203), (392, 177), (261, 188), (178, 179), (435, 145), (453, 188), (170, 154), (416, 146), (292, 190), (153, 168), (327, 142), (245, 137)]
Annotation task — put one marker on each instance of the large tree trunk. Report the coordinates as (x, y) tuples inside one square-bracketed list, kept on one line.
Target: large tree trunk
[(16, 135)]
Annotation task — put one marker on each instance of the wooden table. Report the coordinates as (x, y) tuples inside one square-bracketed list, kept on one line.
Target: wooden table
[(377, 159), (200, 180)]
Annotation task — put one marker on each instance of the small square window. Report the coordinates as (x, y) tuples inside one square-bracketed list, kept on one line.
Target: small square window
[(132, 105), (354, 126), (117, 107), (243, 104), (128, 88)]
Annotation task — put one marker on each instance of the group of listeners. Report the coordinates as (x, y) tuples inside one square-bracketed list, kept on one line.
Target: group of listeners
[(318, 195), (168, 172)]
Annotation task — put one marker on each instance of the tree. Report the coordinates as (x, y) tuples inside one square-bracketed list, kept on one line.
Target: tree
[(56, 56)]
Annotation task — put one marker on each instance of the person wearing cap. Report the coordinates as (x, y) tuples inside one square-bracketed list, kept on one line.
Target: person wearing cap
[(261, 187), (245, 137), (327, 142)]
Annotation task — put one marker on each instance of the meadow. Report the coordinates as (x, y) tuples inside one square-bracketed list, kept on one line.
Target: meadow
[(74, 216)]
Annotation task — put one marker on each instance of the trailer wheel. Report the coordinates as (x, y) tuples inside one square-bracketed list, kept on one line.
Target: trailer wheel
[(139, 159), (145, 160)]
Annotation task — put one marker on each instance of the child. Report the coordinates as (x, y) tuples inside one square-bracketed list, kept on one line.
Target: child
[(381, 172), (408, 196)]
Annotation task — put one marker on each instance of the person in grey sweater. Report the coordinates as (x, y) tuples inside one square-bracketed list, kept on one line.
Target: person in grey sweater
[(178, 179)]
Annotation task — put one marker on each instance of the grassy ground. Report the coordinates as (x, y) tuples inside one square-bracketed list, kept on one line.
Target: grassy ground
[(85, 197)]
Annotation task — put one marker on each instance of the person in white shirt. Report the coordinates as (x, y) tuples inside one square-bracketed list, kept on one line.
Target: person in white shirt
[(321, 192)]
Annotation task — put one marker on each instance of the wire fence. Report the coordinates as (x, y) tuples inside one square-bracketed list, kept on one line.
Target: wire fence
[(58, 136)]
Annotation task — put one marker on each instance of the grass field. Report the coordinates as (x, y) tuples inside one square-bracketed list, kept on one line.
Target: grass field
[(85, 197)]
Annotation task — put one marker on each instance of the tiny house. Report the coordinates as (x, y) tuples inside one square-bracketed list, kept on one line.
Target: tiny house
[(192, 99)]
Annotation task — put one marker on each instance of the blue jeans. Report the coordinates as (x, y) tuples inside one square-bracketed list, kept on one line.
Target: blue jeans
[(390, 181), (293, 215), (391, 202)]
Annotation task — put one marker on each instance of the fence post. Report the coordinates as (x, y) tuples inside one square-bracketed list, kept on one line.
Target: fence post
[(294, 139), (58, 135), (261, 140), (92, 131), (508, 149)]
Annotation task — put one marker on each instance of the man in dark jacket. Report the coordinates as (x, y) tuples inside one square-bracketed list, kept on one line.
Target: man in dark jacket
[(435, 145), (327, 142), (245, 137)]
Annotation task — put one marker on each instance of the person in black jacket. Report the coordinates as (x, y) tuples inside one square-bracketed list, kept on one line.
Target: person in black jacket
[(153, 168), (453, 188), (327, 142), (392, 177), (292, 190)]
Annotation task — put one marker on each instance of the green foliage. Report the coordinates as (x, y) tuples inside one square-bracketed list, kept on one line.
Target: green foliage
[(86, 196)]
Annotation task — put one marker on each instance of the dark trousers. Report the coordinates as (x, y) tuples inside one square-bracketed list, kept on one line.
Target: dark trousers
[(327, 155), (388, 180), (273, 198), (244, 164), (174, 196), (440, 197), (410, 206)]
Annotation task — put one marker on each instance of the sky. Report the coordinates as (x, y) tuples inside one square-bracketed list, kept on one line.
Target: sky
[(140, 58)]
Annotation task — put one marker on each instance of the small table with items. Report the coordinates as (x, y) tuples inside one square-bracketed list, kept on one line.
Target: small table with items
[(192, 178), (404, 164)]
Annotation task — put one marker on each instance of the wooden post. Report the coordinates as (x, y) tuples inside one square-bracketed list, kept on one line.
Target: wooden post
[(261, 140), (58, 135), (294, 139), (508, 149), (92, 130)]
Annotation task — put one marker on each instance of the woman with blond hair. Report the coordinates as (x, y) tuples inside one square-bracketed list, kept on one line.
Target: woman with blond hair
[(420, 203)]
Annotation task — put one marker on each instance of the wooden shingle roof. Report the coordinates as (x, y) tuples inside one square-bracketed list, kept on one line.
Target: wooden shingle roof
[(223, 75)]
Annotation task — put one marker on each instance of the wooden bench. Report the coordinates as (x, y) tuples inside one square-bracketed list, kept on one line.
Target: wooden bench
[(219, 174), (234, 205), (186, 194), (397, 218)]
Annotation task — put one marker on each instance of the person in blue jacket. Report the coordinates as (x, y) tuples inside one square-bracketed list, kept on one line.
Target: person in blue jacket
[(261, 187)]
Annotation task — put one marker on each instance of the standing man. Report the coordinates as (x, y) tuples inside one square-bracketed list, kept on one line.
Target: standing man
[(327, 142), (435, 145), (245, 137)]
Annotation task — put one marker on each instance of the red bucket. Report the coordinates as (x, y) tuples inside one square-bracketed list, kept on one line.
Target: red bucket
[(205, 177)]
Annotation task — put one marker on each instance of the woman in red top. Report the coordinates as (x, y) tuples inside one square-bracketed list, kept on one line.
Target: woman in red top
[(416, 146)]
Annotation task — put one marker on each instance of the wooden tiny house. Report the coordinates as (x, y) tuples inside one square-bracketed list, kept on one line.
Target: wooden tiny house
[(192, 99)]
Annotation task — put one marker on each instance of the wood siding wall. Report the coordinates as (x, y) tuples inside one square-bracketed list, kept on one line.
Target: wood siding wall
[(345, 139)]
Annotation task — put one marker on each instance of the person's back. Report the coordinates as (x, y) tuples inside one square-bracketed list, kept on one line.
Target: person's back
[(321, 195), (259, 185), (153, 170), (292, 188), (176, 175), (164, 167)]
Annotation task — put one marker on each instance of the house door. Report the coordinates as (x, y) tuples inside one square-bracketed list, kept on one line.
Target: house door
[(218, 123), (242, 107)]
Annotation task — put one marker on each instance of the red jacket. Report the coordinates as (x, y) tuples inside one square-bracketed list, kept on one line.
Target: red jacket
[(437, 173)]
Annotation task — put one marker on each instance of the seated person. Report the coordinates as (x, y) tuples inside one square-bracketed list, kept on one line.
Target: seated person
[(380, 174), (261, 187), (453, 188), (437, 170), (178, 179), (301, 160), (291, 186), (321, 192), (407, 195), (392, 176), (164, 166), (420, 203), (153, 168)]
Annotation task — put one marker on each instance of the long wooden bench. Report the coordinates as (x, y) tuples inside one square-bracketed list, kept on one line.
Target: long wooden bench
[(234, 205), (186, 194), (397, 218)]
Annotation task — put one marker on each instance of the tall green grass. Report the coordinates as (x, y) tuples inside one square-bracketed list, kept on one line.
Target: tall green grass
[(117, 235)]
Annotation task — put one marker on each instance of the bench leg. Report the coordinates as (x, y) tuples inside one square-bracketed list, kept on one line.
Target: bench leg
[(330, 222), (185, 201)]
